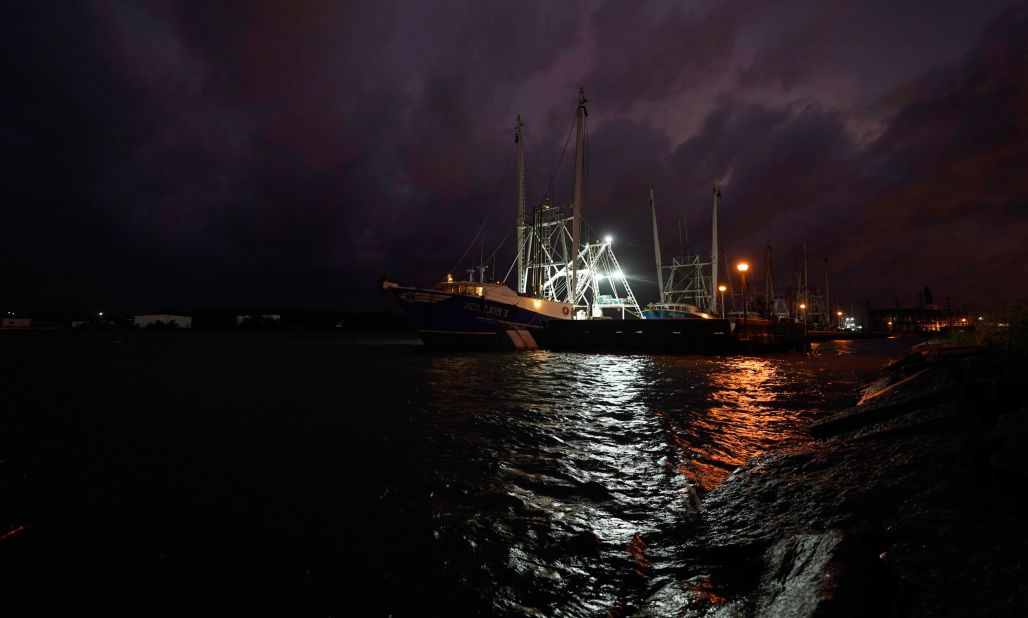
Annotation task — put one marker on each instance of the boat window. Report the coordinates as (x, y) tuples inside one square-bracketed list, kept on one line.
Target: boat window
[(479, 291)]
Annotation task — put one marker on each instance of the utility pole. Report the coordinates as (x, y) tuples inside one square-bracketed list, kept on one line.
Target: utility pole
[(828, 304), (806, 291), (769, 286)]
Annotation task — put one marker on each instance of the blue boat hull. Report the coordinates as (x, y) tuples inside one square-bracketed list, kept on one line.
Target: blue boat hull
[(444, 319)]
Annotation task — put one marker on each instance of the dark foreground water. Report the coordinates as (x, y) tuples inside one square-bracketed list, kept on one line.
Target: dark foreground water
[(327, 474)]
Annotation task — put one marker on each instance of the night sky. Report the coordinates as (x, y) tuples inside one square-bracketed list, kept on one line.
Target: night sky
[(166, 155)]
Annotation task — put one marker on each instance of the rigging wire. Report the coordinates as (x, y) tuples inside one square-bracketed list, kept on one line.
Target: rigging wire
[(488, 213), (553, 177), (550, 190)]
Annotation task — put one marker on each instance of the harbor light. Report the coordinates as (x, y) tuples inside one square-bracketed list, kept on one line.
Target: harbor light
[(608, 239), (743, 267), (722, 288), (803, 306), (838, 313)]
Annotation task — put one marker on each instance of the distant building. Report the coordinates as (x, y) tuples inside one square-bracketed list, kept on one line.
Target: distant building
[(924, 317), (162, 320), (10, 322), (267, 318)]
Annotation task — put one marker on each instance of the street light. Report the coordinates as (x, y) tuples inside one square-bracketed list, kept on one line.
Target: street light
[(743, 267), (721, 288), (803, 310), (838, 322)]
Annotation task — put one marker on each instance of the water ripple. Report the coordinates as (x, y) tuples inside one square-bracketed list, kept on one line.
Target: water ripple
[(555, 476)]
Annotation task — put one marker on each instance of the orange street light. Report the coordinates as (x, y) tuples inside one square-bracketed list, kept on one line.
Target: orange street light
[(743, 267), (721, 288)]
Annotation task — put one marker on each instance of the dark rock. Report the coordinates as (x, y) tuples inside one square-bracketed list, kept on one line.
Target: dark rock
[(696, 596), (907, 506), (928, 387), (823, 574), (1008, 443)]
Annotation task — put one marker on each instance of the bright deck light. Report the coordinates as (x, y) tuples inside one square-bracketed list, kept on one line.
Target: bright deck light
[(608, 239)]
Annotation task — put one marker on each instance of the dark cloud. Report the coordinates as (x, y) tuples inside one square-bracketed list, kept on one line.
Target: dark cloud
[(289, 154), (645, 52)]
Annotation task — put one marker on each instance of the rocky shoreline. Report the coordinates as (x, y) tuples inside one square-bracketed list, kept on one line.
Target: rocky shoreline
[(907, 504)]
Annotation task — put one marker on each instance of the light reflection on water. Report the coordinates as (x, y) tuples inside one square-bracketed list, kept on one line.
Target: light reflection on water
[(555, 475)]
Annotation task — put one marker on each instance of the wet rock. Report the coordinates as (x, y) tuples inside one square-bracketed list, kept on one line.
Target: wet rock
[(907, 505), (696, 596), (799, 575), (693, 503), (928, 387), (821, 574)]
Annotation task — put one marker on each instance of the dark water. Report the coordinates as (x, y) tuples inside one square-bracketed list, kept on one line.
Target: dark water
[(555, 476), (308, 474)]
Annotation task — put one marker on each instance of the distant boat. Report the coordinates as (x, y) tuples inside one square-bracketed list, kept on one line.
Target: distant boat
[(670, 311), (687, 285)]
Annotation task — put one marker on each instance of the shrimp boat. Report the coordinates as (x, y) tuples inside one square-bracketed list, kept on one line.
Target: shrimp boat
[(552, 278), (476, 314)]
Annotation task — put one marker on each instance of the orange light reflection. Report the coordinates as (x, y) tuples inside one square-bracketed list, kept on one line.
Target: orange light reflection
[(741, 422)]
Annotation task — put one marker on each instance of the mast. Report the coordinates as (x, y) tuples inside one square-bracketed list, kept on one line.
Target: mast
[(519, 200), (828, 305), (713, 254), (806, 291), (683, 244), (576, 216), (656, 248)]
